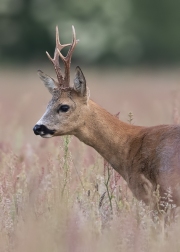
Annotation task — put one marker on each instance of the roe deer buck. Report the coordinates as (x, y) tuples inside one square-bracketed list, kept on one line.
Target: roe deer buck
[(144, 156)]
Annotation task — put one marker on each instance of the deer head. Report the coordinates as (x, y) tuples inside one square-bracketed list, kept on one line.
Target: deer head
[(64, 113)]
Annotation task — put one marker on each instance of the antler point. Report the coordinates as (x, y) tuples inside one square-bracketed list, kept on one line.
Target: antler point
[(73, 29)]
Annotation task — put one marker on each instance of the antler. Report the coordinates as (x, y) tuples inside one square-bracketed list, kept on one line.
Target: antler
[(63, 81)]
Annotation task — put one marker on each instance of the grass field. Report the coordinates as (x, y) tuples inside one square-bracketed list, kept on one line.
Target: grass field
[(58, 194)]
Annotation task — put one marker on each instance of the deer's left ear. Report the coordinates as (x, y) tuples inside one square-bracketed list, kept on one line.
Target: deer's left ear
[(48, 81), (80, 82)]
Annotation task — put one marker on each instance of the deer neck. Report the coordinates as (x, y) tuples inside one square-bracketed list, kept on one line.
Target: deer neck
[(109, 136)]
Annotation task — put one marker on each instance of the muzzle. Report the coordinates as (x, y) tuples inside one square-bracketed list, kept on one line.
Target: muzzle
[(42, 130)]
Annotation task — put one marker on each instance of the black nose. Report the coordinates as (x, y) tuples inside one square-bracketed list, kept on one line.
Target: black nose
[(42, 130), (37, 129)]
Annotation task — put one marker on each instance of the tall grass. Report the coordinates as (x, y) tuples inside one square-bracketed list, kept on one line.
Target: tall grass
[(60, 207)]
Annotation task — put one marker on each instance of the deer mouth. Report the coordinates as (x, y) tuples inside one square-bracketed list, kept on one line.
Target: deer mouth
[(46, 135), (43, 131)]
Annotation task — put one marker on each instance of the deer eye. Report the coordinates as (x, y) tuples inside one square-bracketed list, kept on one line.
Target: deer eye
[(63, 108)]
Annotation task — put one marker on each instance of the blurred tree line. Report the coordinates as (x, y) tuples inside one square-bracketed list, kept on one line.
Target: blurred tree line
[(119, 31)]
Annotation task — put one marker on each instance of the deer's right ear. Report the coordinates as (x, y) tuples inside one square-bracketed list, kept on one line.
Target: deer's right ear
[(80, 82), (48, 81)]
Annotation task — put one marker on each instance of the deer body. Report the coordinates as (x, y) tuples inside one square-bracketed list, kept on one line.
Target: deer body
[(144, 156)]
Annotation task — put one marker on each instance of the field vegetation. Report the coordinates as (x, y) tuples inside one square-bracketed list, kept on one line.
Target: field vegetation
[(58, 194)]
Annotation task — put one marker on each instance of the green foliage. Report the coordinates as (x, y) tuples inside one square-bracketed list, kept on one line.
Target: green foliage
[(117, 31)]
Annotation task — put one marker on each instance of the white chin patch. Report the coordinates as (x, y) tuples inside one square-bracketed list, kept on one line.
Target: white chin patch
[(46, 136)]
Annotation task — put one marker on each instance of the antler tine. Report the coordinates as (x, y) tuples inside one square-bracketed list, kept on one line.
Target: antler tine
[(74, 42), (58, 44), (55, 60), (67, 59)]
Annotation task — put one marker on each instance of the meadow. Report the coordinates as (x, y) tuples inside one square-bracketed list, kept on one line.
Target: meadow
[(58, 194)]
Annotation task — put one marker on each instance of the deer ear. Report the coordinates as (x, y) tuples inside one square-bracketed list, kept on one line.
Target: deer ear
[(80, 82), (48, 81)]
